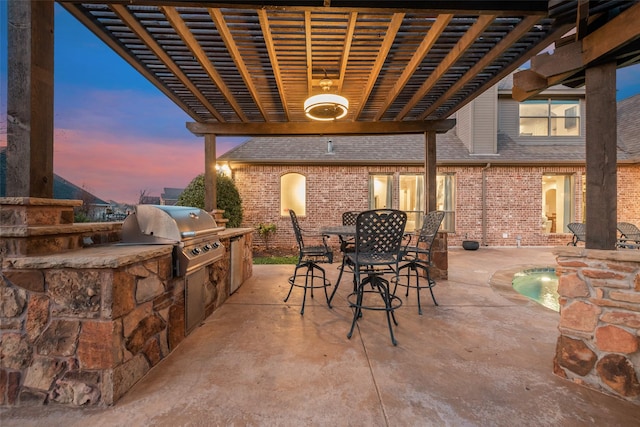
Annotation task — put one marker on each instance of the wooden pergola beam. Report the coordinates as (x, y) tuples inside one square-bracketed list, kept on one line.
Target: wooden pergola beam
[(462, 7), (570, 59), (320, 128)]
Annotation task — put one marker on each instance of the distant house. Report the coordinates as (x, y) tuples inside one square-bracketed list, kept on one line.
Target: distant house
[(510, 173), (170, 196), (149, 200), (93, 207)]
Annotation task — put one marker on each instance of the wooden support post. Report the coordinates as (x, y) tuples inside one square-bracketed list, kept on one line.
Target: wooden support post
[(30, 99), (430, 181), (210, 175), (601, 203)]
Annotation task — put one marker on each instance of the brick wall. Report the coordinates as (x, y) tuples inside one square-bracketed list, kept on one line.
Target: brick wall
[(514, 199)]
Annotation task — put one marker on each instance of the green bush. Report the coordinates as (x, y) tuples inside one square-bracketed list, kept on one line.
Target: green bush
[(227, 197)]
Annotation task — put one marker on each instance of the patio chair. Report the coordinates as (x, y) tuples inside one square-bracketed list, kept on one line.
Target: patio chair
[(629, 235), (579, 233), (378, 242), (313, 276), (416, 258), (347, 244)]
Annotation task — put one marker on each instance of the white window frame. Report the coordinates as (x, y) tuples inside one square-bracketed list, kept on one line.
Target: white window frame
[(569, 120)]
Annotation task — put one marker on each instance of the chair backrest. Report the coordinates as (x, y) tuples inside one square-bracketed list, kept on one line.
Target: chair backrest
[(296, 228), (379, 234), (629, 231), (430, 225), (579, 231), (349, 217)]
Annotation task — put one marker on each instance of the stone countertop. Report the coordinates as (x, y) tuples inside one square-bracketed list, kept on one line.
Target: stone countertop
[(228, 233), (102, 256)]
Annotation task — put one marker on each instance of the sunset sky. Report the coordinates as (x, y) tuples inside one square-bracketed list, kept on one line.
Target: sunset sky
[(115, 133)]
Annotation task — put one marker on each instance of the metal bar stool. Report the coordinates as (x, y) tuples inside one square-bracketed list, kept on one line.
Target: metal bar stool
[(314, 276), (347, 245), (416, 258), (378, 241)]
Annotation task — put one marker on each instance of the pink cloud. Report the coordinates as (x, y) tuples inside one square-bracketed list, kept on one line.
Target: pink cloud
[(117, 167)]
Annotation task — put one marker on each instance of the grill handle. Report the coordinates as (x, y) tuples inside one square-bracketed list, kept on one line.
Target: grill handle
[(189, 234)]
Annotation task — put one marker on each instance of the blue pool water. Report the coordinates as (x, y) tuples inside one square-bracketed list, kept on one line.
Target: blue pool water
[(540, 285)]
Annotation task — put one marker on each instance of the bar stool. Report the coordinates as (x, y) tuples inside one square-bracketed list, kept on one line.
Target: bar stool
[(347, 245), (416, 258), (313, 275), (378, 241)]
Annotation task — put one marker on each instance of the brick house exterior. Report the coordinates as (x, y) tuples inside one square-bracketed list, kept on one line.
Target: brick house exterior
[(484, 152)]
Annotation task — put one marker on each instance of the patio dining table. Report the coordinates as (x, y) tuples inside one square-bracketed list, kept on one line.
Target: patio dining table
[(339, 230)]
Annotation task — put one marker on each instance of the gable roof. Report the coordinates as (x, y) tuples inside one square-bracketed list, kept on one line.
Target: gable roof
[(62, 189), (409, 149)]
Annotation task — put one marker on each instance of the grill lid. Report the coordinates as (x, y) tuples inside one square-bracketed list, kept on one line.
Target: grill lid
[(167, 224)]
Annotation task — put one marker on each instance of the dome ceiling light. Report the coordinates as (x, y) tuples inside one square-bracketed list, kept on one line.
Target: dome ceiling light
[(326, 106)]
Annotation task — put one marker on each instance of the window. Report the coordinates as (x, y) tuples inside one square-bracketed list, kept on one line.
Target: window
[(446, 201), (412, 199), (550, 117), (293, 194), (557, 203), (380, 191)]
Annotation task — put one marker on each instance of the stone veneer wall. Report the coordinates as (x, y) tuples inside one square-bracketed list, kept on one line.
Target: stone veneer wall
[(599, 342), (83, 327)]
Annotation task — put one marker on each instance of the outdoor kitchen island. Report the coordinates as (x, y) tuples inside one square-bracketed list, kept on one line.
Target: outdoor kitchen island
[(81, 327)]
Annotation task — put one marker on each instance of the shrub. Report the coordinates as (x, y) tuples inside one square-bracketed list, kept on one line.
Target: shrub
[(266, 231), (227, 197)]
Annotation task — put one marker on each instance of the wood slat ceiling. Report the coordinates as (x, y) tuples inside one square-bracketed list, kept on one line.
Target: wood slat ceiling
[(256, 62)]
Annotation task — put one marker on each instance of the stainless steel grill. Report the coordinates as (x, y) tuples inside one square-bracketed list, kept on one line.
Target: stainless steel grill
[(192, 231), (194, 236)]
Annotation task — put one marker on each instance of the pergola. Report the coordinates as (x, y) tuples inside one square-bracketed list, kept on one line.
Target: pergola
[(246, 67)]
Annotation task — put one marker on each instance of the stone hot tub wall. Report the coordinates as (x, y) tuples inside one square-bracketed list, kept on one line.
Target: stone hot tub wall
[(599, 342), (82, 327)]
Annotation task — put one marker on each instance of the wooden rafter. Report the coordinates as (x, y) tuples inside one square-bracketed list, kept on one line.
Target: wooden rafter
[(183, 31), (309, 50), (146, 38), (422, 51), (456, 52), (571, 59), (348, 40), (265, 57), (487, 59), (273, 57), (582, 19), (390, 35), (227, 38), (137, 65)]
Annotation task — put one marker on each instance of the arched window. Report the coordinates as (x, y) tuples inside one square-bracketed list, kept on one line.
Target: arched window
[(293, 194)]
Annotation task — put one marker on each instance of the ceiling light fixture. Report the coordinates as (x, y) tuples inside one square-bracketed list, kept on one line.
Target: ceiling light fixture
[(326, 106)]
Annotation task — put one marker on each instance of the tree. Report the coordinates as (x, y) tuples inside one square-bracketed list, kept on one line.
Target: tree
[(228, 198)]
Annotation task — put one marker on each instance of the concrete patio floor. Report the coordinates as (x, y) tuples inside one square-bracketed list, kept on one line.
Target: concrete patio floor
[(482, 357)]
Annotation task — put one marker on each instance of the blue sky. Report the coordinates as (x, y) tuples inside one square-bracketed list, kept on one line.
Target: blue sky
[(115, 133)]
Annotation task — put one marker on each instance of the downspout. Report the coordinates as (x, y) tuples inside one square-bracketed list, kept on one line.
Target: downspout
[(484, 204)]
